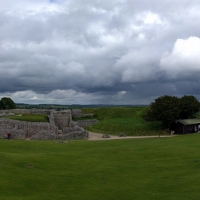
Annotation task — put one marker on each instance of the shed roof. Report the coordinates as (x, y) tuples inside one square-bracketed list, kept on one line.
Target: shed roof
[(189, 121)]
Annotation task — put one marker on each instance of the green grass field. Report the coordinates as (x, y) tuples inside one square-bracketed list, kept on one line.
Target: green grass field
[(129, 169), (126, 120)]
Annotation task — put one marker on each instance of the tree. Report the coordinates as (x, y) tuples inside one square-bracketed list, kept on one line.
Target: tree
[(168, 109), (189, 105), (1, 105), (164, 109), (7, 103)]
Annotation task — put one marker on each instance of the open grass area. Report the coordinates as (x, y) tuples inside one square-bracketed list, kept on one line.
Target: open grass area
[(128, 120), (150, 169), (30, 117)]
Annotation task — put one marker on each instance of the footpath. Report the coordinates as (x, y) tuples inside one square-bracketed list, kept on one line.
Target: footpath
[(98, 136)]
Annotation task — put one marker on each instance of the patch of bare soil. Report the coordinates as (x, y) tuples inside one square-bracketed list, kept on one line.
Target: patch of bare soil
[(98, 136)]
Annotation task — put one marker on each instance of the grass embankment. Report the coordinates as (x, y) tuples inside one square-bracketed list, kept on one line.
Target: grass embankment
[(197, 115), (126, 120), (152, 169), (30, 117)]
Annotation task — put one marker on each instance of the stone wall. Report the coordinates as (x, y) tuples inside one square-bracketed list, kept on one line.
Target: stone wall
[(76, 113), (22, 129), (89, 122), (15, 111), (24, 111), (60, 126), (61, 119)]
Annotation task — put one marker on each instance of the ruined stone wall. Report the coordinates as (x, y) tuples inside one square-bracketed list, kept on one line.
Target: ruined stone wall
[(76, 113), (51, 120), (39, 111), (60, 126), (22, 129), (89, 122), (24, 111), (61, 119), (15, 111)]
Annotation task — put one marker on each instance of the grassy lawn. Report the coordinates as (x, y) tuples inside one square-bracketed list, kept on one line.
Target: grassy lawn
[(30, 117), (126, 120), (151, 169)]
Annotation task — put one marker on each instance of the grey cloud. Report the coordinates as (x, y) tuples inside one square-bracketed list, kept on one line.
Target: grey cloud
[(98, 51)]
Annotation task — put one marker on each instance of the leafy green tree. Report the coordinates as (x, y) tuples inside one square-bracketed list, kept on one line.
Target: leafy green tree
[(189, 105), (7, 103), (168, 109), (164, 109), (1, 105)]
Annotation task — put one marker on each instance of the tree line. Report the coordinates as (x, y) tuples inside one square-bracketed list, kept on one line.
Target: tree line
[(168, 109), (7, 103)]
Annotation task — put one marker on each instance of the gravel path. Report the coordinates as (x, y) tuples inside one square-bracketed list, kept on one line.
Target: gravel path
[(98, 136)]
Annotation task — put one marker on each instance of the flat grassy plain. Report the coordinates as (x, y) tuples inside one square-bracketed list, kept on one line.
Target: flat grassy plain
[(129, 169), (128, 120)]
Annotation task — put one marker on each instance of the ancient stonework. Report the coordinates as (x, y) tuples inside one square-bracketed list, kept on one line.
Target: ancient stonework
[(76, 113), (88, 122), (60, 126), (24, 111)]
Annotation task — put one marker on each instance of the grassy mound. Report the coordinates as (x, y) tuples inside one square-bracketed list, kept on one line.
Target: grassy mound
[(197, 115), (126, 120), (156, 168)]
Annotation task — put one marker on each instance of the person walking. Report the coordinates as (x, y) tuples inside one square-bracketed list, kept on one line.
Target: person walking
[(9, 135)]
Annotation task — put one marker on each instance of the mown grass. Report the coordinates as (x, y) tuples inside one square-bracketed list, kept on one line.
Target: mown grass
[(152, 169), (30, 117), (126, 120)]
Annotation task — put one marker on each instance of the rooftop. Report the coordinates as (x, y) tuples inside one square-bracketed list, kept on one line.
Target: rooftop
[(189, 121)]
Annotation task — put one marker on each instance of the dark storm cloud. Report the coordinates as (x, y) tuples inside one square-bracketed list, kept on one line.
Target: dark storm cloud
[(92, 51)]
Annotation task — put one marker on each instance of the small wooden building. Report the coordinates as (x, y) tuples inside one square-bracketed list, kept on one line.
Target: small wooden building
[(187, 126)]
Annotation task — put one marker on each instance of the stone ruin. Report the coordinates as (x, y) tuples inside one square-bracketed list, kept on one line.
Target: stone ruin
[(60, 126), (77, 113)]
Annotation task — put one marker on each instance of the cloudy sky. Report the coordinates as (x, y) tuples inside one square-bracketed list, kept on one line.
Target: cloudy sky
[(99, 51)]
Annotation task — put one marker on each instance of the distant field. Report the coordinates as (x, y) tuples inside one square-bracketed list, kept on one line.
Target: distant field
[(126, 120), (130, 169), (30, 117)]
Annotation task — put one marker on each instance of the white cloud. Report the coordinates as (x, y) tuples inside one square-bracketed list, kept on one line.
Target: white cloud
[(184, 58), (150, 18)]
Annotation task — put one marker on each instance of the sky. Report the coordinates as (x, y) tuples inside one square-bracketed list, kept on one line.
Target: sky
[(99, 51)]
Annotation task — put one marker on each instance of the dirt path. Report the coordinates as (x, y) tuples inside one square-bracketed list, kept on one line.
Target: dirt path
[(98, 136)]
